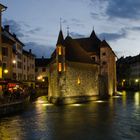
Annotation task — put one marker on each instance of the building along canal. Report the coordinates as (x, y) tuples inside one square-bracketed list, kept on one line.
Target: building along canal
[(115, 119)]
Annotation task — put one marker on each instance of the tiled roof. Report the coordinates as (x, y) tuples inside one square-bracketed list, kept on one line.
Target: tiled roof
[(11, 36), (90, 44), (74, 52), (28, 53), (6, 39), (78, 49)]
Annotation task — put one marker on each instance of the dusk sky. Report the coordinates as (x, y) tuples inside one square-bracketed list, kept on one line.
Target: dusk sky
[(37, 22)]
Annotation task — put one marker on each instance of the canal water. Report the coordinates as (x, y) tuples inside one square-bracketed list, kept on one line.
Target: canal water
[(115, 119)]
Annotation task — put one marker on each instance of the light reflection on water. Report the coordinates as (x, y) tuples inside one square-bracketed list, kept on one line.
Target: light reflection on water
[(115, 119), (137, 98)]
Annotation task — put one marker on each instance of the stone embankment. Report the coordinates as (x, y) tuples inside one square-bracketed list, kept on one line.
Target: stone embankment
[(14, 106)]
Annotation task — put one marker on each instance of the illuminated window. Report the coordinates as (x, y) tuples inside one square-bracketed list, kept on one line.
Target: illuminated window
[(59, 67), (78, 81), (59, 50)]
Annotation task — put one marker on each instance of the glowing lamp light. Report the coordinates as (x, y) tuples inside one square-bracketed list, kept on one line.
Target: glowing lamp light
[(124, 80), (99, 101), (39, 77), (116, 96), (14, 61), (47, 104), (43, 80), (5, 71), (76, 105), (78, 81), (136, 80)]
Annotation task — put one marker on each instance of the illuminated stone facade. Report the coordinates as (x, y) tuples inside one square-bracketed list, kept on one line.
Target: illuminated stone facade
[(81, 70), (20, 64)]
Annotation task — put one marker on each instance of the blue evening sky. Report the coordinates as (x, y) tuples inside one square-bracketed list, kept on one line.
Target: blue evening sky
[(37, 22)]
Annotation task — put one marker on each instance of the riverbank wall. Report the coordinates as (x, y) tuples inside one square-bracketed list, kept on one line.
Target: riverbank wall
[(14, 107)]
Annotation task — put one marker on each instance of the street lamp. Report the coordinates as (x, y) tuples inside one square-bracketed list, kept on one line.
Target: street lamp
[(39, 77), (14, 61), (136, 80), (5, 71)]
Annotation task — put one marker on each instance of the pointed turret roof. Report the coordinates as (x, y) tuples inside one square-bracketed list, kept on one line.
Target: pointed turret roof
[(93, 35), (60, 38)]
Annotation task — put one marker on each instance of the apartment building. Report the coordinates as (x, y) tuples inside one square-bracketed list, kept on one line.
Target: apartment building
[(41, 68), (128, 72), (18, 64), (28, 60), (16, 54)]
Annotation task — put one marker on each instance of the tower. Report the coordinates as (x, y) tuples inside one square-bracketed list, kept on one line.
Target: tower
[(108, 67), (60, 54), (57, 76)]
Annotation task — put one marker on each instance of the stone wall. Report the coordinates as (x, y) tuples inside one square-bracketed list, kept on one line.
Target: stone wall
[(11, 108), (53, 83), (108, 69), (86, 75), (79, 83)]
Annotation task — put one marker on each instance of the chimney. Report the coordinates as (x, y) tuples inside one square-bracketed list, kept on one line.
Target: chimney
[(30, 50), (7, 27)]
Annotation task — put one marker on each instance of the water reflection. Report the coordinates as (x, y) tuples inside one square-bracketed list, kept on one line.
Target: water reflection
[(137, 98), (114, 119), (12, 130), (76, 105), (124, 97)]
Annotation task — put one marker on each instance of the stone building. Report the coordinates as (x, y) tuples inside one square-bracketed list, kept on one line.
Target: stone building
[(17, 63), (42, 71), (128, 72), (28, 71), (7, 52), (16, 53), (81, 70)]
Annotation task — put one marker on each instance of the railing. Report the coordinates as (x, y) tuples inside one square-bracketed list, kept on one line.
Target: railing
[(11, 98)]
